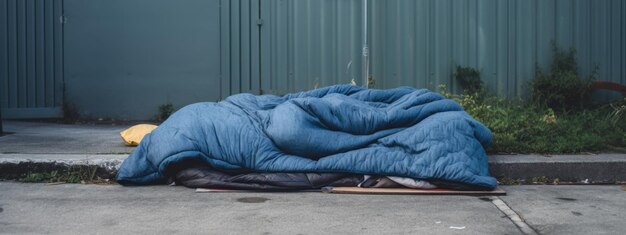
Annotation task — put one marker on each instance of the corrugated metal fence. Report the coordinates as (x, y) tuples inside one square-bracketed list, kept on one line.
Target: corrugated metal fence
[(420, 42), (194, 50), (279, 46), (310, 43), (31, 58)]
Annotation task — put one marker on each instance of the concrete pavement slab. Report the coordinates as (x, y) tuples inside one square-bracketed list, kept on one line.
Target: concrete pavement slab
[(570, 209), (113, 209), (51, 138)]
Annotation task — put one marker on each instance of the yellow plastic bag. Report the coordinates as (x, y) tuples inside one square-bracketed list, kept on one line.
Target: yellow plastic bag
[(133, 135)]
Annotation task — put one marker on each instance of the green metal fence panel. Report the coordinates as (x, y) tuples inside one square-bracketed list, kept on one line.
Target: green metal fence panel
[(186, 51), (308, 44), (4, 55), (240, 29), (420, 42), (506, 39), (617, 49), (31, 59), (123, 59)]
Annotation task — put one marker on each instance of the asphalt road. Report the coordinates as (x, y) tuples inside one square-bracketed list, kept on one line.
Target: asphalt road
[(113, 209)]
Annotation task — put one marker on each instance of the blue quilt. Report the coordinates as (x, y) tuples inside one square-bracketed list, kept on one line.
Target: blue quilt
[(403, 132)]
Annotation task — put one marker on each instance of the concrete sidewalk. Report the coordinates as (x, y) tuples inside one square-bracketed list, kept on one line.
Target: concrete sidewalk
[(38, 146), (49, 145), (52, 138), (113, 209)]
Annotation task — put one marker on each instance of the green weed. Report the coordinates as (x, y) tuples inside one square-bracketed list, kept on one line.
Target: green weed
[(562, 88), (557, 119), (165, 110), (73, 174), (469, 79), (525, 127)]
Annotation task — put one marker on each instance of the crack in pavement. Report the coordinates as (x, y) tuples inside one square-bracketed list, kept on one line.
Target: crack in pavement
[(513, 216)]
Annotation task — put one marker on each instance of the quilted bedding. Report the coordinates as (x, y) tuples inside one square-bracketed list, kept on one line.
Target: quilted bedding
[(404, 132)]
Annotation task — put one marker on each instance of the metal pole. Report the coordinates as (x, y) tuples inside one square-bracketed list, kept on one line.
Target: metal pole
[(365, 51)]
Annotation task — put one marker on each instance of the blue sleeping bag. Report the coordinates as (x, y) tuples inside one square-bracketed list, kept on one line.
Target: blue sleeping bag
[(403, 132)]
